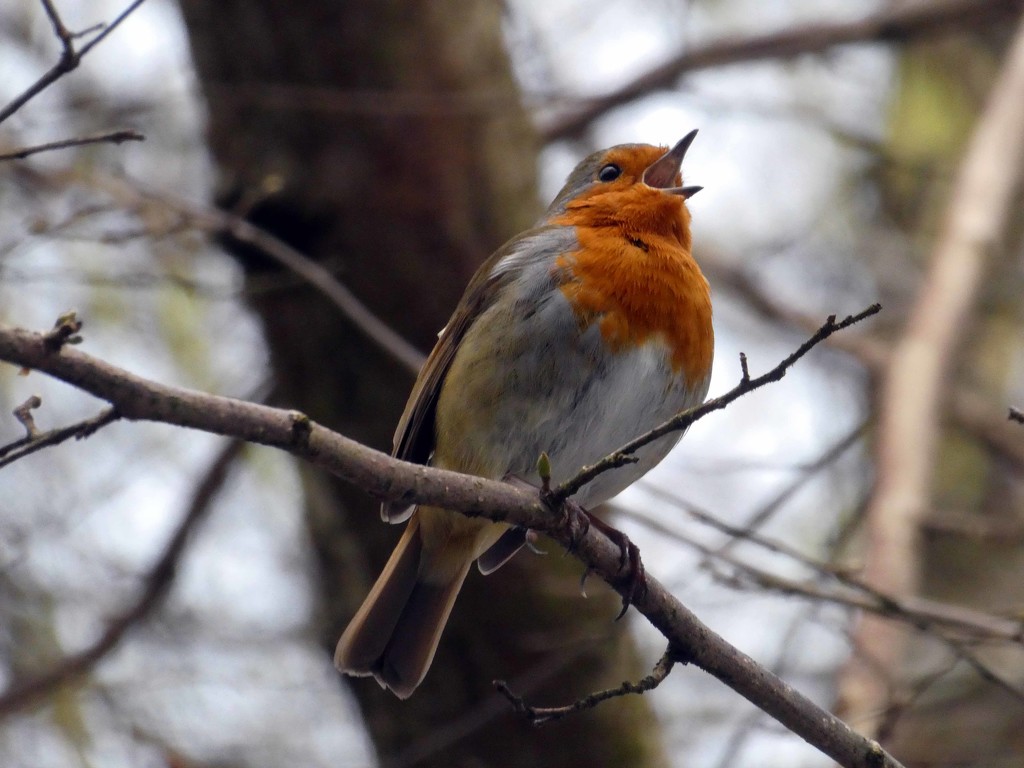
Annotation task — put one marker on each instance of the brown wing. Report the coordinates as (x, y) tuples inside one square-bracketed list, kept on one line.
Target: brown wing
[(414, 437)]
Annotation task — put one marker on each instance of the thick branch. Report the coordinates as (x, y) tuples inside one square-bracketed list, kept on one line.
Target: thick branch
[(384, 477), (895, 22)]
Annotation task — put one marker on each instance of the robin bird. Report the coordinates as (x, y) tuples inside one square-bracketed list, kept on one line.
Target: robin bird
[(572, 338)]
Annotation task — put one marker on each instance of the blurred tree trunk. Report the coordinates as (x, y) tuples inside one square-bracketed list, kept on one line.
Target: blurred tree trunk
[(387, 141), (969, 549)]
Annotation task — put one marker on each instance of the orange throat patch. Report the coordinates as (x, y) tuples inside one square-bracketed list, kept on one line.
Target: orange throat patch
[(640, 286)]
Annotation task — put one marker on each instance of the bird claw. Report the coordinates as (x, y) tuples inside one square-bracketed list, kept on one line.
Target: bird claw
[(637, 574), (630, 563), (579, 521)]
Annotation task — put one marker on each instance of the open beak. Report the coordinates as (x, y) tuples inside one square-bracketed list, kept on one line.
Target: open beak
[(661, 174)]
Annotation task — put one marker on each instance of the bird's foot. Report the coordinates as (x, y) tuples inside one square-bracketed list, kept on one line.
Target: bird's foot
[(578, 520), (634, 580)]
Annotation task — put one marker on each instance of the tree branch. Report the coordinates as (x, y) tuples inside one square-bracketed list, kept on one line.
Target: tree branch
[(919, 612), (111, 137), (25, 693), (895, 22), (36, 441), (541, 715), (70, 57), (967, 409), (915, 384), (387, 478)]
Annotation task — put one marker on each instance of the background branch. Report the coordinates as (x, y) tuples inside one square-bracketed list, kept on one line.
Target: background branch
[(111, 137), (914, 385), (968, 409), (220, 223), (70, 57), (924, 614), (24, 693), (895, 22)]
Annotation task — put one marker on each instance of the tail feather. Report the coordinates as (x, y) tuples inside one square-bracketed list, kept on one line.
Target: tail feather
[(367, 635), (395, 633), (408, 655)]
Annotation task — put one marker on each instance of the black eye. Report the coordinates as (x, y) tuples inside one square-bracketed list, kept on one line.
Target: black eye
[(609, 173)]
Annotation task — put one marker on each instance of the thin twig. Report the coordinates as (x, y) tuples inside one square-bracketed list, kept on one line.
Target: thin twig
[(25, 693), (967, 409), (541, 715), (1015, 414), (69, 59), (686, 418), (19, 449), (106, 30), (63, 34), (112, 137)]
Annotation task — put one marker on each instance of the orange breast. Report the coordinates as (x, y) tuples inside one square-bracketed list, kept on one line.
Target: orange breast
[(640, 283)]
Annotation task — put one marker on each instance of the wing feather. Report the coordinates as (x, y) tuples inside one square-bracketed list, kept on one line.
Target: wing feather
[(415, 435)]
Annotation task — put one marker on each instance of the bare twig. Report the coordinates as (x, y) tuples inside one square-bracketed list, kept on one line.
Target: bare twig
[(686, 418), (951, 625), (69, 59), (1015, 414), (25, 693), (19, 449), (921, 613), (757, 520), (487, 710), (967, 409), (896, 22), (912, 391), (387, 478), (541, 715), (111, 137)]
